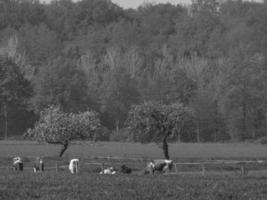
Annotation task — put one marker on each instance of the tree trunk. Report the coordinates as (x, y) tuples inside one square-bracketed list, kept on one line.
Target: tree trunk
[(179, 131), (179, 137), (6, 121), (244, 120), (253, 133), (215, 136), (64, 148), (117, 127), (244, 113), (165, 148), (198, 130), (198, 134)]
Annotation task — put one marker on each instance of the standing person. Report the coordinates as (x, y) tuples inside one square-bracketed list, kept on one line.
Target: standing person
[(38, 165), (18, 164)]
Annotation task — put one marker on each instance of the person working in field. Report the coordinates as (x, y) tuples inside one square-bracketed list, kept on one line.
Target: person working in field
[(18, 164), (160, 166), (74, 166), (125, 169), (109, 170), (38, 165)]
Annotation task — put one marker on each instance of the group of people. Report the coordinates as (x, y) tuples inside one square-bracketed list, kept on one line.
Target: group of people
[(154, 166), (123, 170), (37, 166)]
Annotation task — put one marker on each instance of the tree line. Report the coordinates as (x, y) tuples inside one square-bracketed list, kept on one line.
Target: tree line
[(209, 57)]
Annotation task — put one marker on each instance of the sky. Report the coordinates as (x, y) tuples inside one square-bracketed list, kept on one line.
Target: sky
[(136, 3)]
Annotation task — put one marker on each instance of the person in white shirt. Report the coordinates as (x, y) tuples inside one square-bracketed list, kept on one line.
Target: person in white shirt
[(74, 166), (18, 164)]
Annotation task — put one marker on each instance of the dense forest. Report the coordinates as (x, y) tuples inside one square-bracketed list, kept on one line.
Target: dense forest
[(94, 55)]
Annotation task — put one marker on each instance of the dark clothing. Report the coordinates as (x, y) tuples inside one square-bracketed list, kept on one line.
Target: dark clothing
[(18, 166), (39, 166), (125, 169)]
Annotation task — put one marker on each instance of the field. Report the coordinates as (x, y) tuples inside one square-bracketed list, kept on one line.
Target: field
[(88, 184), (133, 150), (51, 185)]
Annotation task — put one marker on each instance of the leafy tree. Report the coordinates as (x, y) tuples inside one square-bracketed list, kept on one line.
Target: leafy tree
[(153, 122), (165, 81), (207, 78), (39, 44), (61, 18), (57, 127), (63, 83), (205, 5), (244, 95), (257, 23), (125, 34), (105, 12), (209, 121), (193, 34), (118, 93), (14, 89), (16, 13)]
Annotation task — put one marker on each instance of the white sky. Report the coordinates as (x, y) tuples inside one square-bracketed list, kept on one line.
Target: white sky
[(136, 3)]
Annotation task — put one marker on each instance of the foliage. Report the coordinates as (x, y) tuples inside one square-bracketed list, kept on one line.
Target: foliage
[(39, 44), (15, 91), (14, 88), (243, 101), (57, 127), (61, 82), (153, 122), (118, 93), (210, 56)]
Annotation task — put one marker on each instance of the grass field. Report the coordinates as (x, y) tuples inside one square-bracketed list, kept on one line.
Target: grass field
[(135, 150), (84, 186), (90, 185)]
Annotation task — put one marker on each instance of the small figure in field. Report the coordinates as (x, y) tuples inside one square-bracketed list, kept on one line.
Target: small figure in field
[(161, 166), (74, 166), (125, 169), (38, 165), (109, 170), (18, 164)]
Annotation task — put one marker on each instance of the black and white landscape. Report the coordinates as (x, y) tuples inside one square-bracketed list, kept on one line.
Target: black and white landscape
[(162, 101)]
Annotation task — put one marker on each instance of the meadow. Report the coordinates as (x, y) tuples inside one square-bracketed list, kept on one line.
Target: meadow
[(136, 150), (88, 184), (63, 185)]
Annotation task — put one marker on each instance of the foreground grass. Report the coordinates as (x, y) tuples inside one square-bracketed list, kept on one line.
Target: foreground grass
[(51, 185)]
